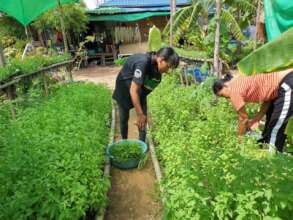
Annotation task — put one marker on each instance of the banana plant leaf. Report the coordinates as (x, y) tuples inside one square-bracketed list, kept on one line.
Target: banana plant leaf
[(25, 11), (155, 39), (273, 56)]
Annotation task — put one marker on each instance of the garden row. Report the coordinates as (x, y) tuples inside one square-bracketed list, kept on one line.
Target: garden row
[(30, 64), (52, 154), (207, 172)]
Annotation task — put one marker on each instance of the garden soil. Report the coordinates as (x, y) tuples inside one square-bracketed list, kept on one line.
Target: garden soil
[(134, 193)]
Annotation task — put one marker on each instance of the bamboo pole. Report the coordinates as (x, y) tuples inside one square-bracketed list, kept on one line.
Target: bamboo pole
[(217, 39), (61, 17), (2, 58), (257, 24), (172, 13), (26, 32)]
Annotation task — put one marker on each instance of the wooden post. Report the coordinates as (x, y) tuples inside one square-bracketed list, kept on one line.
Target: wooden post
[(61, 17), (193, 76), (260, 31), (186, 77), (181, 77), (69, 74), (217, 38), (46, 87), (2, 59), (172, 13), (10, 91), (41, 38), (26, 32)]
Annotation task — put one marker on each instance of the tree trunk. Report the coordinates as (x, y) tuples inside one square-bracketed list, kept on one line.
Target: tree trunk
[(260, 28), (172, 13), (2, 59), (69, 39), (238, 51), (62, 26), (217, 39), (41, 39), (26, 32)]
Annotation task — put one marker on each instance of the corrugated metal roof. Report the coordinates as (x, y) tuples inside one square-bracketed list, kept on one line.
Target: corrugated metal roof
[(115, 10), (140, 3)]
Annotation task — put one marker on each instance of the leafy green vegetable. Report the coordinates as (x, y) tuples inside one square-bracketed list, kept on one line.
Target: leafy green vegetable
[(208, 174), (51, 156), (122, 152), (120, 61)]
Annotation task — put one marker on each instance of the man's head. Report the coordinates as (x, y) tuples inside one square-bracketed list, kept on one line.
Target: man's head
[(219, 86), (167, 58)]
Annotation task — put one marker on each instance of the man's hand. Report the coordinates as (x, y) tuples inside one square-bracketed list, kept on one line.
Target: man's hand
[(252, 124), (141, 121), (134, 93)]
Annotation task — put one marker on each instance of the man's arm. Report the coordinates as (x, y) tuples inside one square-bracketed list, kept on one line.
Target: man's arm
[(259, 115), (242, 121), (134, 94)]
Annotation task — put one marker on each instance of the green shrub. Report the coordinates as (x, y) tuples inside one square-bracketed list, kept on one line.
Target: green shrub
[(29, 65)]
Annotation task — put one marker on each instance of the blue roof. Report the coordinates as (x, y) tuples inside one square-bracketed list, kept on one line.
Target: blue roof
[(141, 3), (111, 10)]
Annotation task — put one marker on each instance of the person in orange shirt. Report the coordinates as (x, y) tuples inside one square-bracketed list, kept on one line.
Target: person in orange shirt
[(273, 90)]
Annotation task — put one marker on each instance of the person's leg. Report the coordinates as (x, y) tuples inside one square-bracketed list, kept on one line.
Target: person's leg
[(269, 113), (142, 132), (123, 116), (283, 107)]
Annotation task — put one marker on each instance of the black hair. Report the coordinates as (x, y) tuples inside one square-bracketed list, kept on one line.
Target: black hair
[(169, 55), (220, 83)]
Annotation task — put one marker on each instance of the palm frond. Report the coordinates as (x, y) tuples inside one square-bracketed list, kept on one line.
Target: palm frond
[(166, 30), (182, 18), (193, 18), (244, 5), (187, 21), (230, 22)]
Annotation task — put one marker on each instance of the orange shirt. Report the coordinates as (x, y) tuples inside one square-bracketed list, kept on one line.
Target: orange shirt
[(257, 89)]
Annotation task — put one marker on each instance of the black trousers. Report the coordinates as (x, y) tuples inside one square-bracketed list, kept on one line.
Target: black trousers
[(124, 117), (278, 114)]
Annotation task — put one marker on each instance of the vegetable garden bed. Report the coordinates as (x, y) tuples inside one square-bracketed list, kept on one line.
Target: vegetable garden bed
[(29, 65), (207, 173), (52, 155)]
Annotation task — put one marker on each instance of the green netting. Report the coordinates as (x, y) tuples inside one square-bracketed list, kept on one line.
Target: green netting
[(273, 56), (278, 17), (25, 11), (126, 17)]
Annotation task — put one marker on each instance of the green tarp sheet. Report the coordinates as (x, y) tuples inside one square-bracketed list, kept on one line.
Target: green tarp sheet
[(278, 17), (25, 11), (126, 17)]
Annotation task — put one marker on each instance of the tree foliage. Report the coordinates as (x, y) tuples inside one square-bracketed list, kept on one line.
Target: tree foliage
[(75, 19), (9, 27), (196, 25)]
